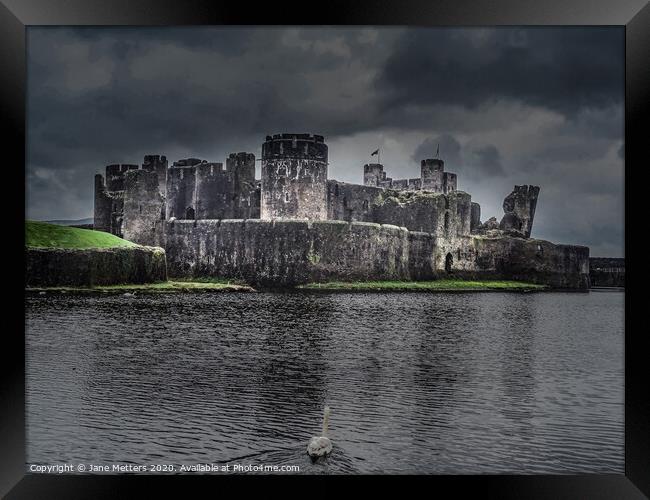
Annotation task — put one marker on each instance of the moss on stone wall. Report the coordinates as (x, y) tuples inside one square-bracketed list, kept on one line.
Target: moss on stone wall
[(294, 252), (97, 266)]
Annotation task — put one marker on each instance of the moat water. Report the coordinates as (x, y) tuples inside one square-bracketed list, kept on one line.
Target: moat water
[(462, 383)]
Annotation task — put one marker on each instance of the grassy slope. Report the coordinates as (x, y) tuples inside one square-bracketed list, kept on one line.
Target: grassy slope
[(42, 234), (440, 285)]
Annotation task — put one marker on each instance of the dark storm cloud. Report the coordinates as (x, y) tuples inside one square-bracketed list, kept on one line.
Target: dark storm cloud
[(475, 161), (506, 106), (446, 144), (560, 69), (181, 88), (485, 160)]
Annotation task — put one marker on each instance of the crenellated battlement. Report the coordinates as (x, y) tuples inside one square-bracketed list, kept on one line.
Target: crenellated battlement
[(117, 169), (211, 169), (149, 159), (242, 162), (432, 165), (285, 146), (241, 156), (115, 175), (188, 162), (301, 137), (432, 178)]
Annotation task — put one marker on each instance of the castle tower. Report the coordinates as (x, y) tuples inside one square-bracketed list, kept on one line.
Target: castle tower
[(109, 198), (115, 175), (242, 165), (181, 185), (158, 164), (103, 206), (213, 192), (475, 216), (373, 174), (434, 178), (432, 173), (519, 207), (144, 206), (294, 177)]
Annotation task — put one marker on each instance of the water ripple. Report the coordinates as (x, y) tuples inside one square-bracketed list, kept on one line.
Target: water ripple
[(417, 383)]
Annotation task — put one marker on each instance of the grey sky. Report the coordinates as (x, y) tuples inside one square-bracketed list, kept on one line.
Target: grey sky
[(507, 106)]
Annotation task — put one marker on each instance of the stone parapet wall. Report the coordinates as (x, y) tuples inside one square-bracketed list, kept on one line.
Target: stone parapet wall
[(535, 261), (287, 252), (291, 252), (97, 266)]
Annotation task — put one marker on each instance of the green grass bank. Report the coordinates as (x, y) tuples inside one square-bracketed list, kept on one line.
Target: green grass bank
[(44, 235), (444, 285), (63, 256)]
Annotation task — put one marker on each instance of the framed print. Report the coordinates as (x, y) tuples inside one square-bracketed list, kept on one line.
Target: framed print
[(368, 242)]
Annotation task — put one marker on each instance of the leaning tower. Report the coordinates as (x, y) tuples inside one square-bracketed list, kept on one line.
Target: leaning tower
[(294, 177)]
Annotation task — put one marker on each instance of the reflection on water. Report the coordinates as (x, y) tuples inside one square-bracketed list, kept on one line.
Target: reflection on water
[(417, 383)]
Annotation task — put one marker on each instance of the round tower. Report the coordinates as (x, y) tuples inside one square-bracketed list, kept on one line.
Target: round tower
[(294, 177)]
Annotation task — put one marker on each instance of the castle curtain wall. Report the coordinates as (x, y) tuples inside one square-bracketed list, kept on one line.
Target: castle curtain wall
[(352, 202), (291, 252), (288, 252)]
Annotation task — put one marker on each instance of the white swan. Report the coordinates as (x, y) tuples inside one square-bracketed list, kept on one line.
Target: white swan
[(320, 446)]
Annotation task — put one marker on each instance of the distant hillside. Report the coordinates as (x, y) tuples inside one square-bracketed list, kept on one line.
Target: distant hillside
[(42, 234), (78, 222)]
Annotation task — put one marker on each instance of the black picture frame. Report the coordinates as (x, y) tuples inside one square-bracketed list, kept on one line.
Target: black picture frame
[(15, 15)]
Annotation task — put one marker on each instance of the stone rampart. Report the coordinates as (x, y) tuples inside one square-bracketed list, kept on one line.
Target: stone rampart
[(95, 266), (291, 252)]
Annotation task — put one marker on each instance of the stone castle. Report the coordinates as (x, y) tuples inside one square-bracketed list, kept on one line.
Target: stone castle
[(296, 225)]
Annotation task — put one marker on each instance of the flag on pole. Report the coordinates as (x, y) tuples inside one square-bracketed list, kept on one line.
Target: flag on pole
[(376, 152)]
